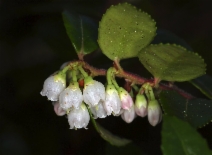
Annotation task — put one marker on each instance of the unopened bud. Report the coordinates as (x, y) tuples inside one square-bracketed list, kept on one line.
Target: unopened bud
[(128, 115), (154, 112), (141, 105), (126, 99)]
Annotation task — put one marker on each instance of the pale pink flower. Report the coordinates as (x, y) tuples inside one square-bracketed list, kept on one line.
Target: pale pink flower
[(128, 115), (126, 99), (57, 109), (154, 112)]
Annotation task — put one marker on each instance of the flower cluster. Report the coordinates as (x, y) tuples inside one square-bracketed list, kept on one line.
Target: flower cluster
[(78, 100)]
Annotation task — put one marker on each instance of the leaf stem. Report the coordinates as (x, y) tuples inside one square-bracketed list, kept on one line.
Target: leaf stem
[(117, 65)]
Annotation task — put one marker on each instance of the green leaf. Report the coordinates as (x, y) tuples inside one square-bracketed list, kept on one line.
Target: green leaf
[(124, 31), (204, 84), (108, 136), (195, 111), (82, 32), (179, 138), (172, 62)]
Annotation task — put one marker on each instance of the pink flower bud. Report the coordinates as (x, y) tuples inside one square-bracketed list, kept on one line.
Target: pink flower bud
[(98, 111), (112, 102), (93, 92), (53, 86), (71, 96), (126, 99), (78, 118), (141, 105), (57, 109), (154, 112), (128, 115)]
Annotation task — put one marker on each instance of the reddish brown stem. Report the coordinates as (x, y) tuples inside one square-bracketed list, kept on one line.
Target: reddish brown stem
[(133, 78)]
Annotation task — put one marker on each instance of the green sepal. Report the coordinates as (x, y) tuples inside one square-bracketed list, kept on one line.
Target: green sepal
[(140, 101), (124, 31), (172, 62)]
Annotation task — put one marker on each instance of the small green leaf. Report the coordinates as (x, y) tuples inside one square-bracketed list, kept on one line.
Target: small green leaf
[(204, 84), (195, 111), (82, 32), (179, 138), (108, 136), (172, 62), (124, 31)]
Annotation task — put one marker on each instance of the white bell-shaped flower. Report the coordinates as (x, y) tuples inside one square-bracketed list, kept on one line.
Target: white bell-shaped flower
[(126, 99), (53, 86), (98, 111), (154, 112), (141, 105), (120, 112), (78, 118), (57, 109), (128, 115), (71, 96), (112, 102), (93, 92)]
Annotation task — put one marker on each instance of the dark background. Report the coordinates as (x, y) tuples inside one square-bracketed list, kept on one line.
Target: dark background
[(33, 44)]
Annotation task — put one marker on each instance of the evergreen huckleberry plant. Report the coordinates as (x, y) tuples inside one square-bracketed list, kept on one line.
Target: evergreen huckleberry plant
[(86, 98)]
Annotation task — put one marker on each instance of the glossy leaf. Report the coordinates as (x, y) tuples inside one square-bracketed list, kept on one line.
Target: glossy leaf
[(195, 111), (108, 136), (124, 31), (172, 62), (82, 32), (204, 84), (179, 138)]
